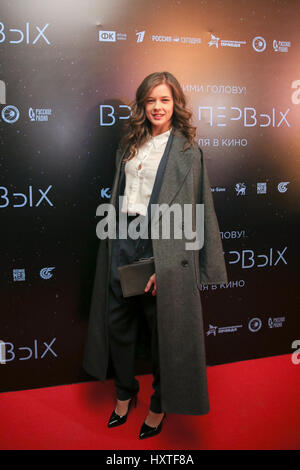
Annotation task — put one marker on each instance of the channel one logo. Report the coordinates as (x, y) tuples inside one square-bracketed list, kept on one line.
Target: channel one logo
[(107, 36)]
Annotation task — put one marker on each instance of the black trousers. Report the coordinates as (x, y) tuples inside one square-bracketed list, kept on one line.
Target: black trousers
[(123, 325)]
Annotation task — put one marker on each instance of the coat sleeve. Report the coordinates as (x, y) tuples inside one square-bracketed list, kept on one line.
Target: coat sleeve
[(211, 257), (118, 156)]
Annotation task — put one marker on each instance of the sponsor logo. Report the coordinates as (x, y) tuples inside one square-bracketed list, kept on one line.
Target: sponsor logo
[(276, 322), (215, 41), (255, 324), (46, 273), (39, 114), (10, 114), (240, 189), (111, 36), (259, 44), (281, 46), (282, 187), (214, 330), (140, 36), (176, 39), (261, 188), (19, 275)]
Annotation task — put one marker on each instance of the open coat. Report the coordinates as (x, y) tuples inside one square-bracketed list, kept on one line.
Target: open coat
[(179, 273)]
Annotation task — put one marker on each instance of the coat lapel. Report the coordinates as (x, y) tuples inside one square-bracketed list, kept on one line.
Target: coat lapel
[(178, 165)]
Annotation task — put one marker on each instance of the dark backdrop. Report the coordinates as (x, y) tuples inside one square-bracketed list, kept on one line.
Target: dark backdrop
[(68, 72)]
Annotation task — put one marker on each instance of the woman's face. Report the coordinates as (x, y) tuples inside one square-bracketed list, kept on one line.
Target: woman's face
[(159, 108)]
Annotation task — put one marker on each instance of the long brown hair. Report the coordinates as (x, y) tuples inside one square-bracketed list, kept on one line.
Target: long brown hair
[(138, 128)]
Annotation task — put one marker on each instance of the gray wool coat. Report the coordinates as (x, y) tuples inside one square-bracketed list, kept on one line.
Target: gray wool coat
[(179, 273)]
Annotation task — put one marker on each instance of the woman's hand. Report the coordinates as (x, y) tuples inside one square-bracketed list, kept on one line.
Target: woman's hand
[(152, 280)]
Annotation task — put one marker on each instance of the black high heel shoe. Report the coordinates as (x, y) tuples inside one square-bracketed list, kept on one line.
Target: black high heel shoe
[(116, 420), (149, 431)]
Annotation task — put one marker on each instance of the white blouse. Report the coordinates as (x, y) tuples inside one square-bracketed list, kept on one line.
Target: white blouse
[(140, 173)]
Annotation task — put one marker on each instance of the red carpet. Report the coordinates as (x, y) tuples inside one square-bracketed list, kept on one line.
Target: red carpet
[(254, 405)]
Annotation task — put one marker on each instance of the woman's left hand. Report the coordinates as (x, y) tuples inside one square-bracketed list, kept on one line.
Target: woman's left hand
[(152, 280)]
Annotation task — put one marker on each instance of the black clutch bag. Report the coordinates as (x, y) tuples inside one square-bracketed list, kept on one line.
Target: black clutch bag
[(135, 276)]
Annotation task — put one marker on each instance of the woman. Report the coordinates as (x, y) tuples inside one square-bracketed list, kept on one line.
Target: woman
[(159, 162)]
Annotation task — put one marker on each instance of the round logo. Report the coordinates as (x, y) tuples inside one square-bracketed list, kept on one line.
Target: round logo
[(254, 324), (10, 114), (259, 44), (282, 187)]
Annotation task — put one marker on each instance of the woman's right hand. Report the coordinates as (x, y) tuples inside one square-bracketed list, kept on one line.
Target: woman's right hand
[(152, 281)]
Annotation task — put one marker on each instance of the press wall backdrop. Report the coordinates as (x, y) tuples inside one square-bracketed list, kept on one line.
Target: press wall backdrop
[(68, 72)]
